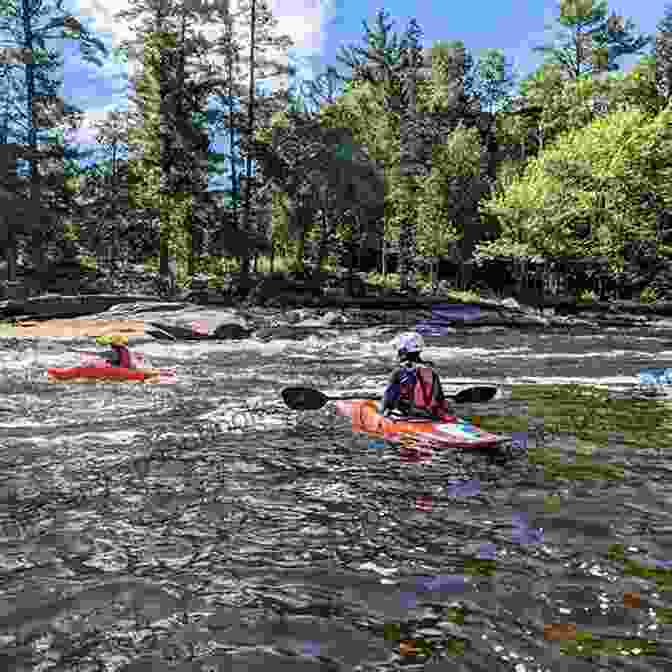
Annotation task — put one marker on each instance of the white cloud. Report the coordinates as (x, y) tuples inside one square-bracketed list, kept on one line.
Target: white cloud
[(302, 20), (103, 15)]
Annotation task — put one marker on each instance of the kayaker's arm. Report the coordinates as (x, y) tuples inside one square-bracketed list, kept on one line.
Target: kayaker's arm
[(439, 393), (392, 393)]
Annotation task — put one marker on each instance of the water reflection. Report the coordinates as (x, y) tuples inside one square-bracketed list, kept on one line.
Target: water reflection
[(446, 582), (469, 488), (523, 534), (414, 452), (487, 551), (424, 503)]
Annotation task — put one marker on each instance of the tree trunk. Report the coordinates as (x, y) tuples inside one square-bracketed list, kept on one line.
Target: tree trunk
[(301, 251), (165, 175), (29, 43), (164, 257), (250, 129), (324, 238), (37, 251), (359, 246), (172, 276), (407, 238), (235, 190), (406, 266), (194, 252), (351, 267), (11, 255)]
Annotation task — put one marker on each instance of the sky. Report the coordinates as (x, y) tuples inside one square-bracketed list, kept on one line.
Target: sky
[(320, 27)]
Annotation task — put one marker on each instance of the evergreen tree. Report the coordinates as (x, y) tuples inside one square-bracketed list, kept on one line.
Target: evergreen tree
[(496, 80), (589, 40), (663, 53), (26, 29)]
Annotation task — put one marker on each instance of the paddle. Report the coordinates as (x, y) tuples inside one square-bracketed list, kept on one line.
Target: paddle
[(310, 399)]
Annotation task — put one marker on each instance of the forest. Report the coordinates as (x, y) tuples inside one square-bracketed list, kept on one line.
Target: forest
[(416, 168)]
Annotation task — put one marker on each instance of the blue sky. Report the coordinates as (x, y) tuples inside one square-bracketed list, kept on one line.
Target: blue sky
[(320, 27)]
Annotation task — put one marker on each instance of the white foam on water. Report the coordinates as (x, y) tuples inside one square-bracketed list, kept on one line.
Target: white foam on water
[(21, 423), (121, 437), (607, 381), (605, 354)]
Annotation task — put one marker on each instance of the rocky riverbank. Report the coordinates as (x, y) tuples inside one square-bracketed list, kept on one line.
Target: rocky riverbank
[(142, 317)]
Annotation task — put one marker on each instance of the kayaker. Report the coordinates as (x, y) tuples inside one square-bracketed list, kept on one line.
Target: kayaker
[(415, 388), (120, 355)]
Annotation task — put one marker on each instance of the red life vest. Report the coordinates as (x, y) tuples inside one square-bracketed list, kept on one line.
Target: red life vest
[(124, 357), (418, 392)]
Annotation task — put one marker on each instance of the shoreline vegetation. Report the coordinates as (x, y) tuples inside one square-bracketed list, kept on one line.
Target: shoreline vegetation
[(413, 175), (85, 314)]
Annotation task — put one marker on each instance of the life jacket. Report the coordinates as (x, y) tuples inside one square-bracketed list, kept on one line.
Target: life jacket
[(124, 355), (418, 392)]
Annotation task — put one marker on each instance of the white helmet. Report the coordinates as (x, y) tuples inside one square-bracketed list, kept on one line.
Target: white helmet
[(410, 342)]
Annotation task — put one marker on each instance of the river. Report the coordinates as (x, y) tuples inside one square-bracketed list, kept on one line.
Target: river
[(199, 525)]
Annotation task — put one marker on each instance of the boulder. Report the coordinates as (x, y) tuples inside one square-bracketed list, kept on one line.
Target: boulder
[(50, 306), (234, 332), (289, 332), (511, 303), (329, 319), (193, 324), (298, 315)]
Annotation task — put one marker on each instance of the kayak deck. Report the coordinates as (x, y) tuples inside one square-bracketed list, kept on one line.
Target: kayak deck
[(103, 373), (451, 432)]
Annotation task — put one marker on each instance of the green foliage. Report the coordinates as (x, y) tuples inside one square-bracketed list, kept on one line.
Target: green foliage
[(589, 40), (592, 177), (151, 264), (663, 55), (564, 105), (361, 108), (586, 296), (464, 296), (71, 231), (87, 263), (280, 224), (495, 78), (638, 88), (648, 295), (449, 192), (389, 281), (451, 76)]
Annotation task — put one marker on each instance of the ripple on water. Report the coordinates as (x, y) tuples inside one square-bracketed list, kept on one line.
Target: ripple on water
[(139, 529)]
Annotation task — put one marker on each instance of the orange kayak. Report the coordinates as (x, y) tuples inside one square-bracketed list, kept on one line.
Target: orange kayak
[(451, 432), (94, 373)]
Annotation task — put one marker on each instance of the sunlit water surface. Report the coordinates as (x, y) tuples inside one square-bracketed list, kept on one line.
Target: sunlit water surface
[(201, 525)]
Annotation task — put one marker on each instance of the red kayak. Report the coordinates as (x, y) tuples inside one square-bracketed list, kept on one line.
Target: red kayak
[(93, 373), (452, 432)]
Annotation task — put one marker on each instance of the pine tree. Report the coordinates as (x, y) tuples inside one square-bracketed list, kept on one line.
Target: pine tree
[(663, 52), (589, 40), (26, 38)]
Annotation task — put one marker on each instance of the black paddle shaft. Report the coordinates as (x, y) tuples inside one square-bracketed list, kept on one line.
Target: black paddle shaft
[(310, 399)]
